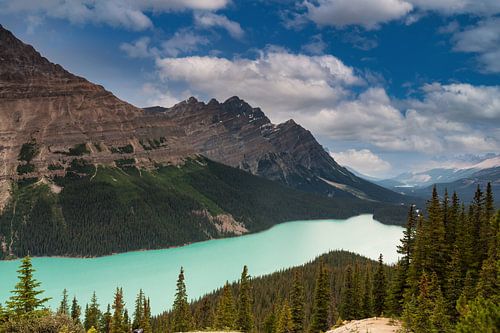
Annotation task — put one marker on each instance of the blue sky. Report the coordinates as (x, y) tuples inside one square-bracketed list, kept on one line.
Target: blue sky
[(385, 85)]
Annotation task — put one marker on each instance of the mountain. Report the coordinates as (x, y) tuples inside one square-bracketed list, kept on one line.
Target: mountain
[(462, 180), (236, 134), (466, 186), (84, 173)]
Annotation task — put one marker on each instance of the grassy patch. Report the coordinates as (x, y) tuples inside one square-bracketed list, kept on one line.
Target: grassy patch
[(28, 151)]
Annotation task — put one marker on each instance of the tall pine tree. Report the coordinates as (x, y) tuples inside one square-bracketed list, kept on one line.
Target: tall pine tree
[(24, 299), (321, 302), (225, 318), (181, 313), (76, 311), (118, 324), (245, 316), (92, 314), (297, 303), (379, 288)]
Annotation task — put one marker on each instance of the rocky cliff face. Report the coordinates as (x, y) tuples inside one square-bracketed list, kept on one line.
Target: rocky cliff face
[(236, 134), (49, 118), (49, 111)]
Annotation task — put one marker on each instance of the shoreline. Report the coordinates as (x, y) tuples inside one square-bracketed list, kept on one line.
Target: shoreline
[(190, 243)]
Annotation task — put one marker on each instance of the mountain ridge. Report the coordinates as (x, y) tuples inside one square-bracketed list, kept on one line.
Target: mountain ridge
[(76, 159)]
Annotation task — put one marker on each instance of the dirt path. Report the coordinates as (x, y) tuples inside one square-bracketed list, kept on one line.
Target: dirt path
[(369, 325)]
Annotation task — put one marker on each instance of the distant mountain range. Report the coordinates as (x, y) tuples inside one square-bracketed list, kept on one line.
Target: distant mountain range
[(462, 180), (74, 157)]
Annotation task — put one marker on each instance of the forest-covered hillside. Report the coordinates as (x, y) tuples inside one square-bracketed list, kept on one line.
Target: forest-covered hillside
[(100, 210), (446, 281)]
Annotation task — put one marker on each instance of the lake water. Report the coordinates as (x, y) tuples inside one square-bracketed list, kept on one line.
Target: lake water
[(207, 264)]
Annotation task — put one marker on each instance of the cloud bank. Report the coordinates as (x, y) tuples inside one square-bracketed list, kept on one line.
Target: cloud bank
[(318, 92)]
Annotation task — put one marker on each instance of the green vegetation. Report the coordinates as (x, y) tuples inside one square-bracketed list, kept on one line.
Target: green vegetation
[(151, 144), (438, 285), (181, 314), (445, 287), (78, 150), (105, 210), (28, 151), (25, 168), (127, 149), (125, 163), (301, 299), (53, 167)]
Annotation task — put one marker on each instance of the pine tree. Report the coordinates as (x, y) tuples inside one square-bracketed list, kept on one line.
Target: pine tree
[(76, 311), (367, 301), (92, 314), (488, 285), (477, 220), (439, 320), (270, 322), (225, 317), (437, 254), (126, 321), (399, 284), (245, 316), (204, 315), (146, 318), (454, 282), (322, 298), (284, 322), (348, 306), (106, 320), (181, 313), (479, 315), (64, 306), (379, 288), (25, 295), (139, 310), (297, 303), (489, 203), (117, 321)]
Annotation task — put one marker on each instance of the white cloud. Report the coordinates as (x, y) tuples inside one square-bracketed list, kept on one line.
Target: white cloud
[(370, 14), (210, 20), (451, 7), (484, 40), (317, 91), (129, 14), (183, 42), (139, 48), (156, 96), (367, 13), (363, 161), (276, 80), (315, 46), (462, 102), (457, 117)]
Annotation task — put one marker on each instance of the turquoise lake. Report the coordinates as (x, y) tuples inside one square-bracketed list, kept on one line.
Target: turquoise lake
[(207, 264)]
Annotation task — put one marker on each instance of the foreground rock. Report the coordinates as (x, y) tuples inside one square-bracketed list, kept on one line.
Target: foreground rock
[(371, 325)]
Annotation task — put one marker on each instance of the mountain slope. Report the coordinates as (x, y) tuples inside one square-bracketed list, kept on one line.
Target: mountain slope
[(84, 173), (46, 107), (59, 115), (100, 211), (466, 186), (238, 135), (461, 180)]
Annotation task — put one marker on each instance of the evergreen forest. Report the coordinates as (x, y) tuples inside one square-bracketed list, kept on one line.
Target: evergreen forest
[(446, 280)]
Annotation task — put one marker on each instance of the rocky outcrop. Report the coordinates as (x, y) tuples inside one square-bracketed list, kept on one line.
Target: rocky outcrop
[(236, 134), (43, 105)]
